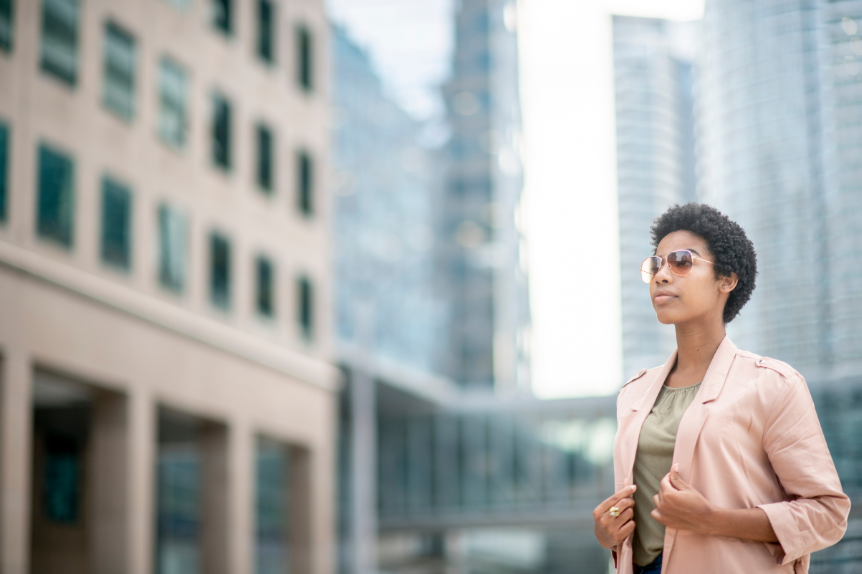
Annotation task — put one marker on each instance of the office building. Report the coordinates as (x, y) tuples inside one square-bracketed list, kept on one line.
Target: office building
[(653, 61), (168, 393), (481, 254)]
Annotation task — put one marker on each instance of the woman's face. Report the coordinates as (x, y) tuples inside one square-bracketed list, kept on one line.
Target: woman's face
[(695, 297)]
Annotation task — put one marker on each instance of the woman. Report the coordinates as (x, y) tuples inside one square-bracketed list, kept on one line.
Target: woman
[(720, 463)]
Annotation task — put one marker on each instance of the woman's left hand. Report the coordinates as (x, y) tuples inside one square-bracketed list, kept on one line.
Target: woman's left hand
[(680, 505)]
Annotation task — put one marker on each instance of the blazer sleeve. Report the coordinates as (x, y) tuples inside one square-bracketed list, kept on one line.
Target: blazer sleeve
[(815, 514)]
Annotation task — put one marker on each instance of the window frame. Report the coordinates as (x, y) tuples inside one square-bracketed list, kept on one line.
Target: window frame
[(45, 62), (112, 26), (218, 98), (43, 231), (167, 66), (110, 185), (216, 237)]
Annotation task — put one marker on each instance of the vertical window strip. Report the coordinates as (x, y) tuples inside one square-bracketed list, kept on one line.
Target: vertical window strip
[(272, 503), (56, 197), (172, 101), (116, 223), (7, 28), (4, 171), (266, 31), (219, 271), (265, 158), (119, 85), (172, 248), (305, 63), (222, 13), (305, 183), (59, 45), (265, 287), (306, 308), (221, 132)]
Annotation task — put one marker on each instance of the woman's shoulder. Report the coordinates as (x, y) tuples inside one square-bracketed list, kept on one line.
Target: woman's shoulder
[(753, 362)]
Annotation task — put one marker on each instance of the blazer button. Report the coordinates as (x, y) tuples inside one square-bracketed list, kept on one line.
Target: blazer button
[(761, 361)]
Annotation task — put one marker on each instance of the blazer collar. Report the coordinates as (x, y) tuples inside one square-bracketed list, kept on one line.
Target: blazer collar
[(712, 383)]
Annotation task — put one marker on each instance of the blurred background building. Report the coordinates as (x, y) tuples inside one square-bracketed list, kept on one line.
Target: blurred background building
[(255, 317), (654, 96), (168, 395), (482, 256)]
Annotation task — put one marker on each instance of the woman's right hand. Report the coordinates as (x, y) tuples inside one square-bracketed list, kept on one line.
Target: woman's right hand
[(610, 530)]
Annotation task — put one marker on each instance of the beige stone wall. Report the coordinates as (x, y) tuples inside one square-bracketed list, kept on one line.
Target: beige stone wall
[(64, 311)]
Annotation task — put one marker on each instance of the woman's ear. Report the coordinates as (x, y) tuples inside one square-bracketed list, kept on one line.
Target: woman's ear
[(728, 283)]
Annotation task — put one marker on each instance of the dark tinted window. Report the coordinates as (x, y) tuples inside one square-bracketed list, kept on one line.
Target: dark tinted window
[(4, 170), (264, 158), (56, 196), (220, 271), (266, 30), (305, 182), (6, 25), (306, 308), (265, 287), (221, 131), (222, 11), (59, 46), (118, 92), (116, 223), (305, 56)]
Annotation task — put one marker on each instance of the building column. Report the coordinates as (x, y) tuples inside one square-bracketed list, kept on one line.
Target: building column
[(241, 498), (300, 537), (108, 484), (141, 460), (215, 494), (16, 436), (363, 478)]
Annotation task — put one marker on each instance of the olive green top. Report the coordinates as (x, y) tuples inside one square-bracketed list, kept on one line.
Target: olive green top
[(652, 463)]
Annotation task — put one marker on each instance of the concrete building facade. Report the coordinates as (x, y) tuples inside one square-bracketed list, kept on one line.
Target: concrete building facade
[(167, 398)]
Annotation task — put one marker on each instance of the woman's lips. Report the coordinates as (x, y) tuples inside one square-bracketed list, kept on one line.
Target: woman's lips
[(662, 299)]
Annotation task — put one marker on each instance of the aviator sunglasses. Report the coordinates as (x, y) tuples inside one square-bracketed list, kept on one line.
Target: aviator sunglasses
[(679, 262)]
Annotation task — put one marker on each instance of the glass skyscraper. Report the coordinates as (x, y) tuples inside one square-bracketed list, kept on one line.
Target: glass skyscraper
[(384, 227), (481, 255), (655, 162)]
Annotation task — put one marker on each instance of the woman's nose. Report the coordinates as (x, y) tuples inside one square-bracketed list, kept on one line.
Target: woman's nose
[(664, 275)]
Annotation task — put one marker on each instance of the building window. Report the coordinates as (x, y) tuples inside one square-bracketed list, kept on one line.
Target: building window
[(264, 158), (305, 58), (220, 271), (306, 308), (4, 170), (266, 31), (272, 501), (222, 11), (61, 489), (56, 196), (116, 223), (119, 88), (265, 287), (173, 239), (305, 182), (221, 132), (6, 25), (172, 103), (60, 39)]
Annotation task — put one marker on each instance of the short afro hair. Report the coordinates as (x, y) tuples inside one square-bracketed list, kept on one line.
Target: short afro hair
[(732, 250)]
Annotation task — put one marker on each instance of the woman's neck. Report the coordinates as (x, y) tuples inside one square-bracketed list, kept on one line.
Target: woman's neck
[(696, 346)]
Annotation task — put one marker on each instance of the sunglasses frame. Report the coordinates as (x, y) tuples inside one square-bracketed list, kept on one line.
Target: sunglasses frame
[(662, 260)]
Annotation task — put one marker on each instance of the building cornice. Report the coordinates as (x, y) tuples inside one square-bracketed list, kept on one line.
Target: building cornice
[(170, 317)]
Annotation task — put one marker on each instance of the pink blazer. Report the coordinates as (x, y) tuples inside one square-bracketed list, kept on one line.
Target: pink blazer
[(750, 438)]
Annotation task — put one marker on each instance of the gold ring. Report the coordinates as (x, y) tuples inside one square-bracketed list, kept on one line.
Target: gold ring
[(614, 511)]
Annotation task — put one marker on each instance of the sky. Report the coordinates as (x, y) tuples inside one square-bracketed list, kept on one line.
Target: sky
[(570, 190)]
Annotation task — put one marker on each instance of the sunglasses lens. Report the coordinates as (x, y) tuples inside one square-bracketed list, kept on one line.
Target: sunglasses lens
[(649, 268), (680, 262)]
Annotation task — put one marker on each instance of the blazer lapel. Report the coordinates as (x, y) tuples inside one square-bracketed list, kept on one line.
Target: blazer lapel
[(695, 416), (633, 418)]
